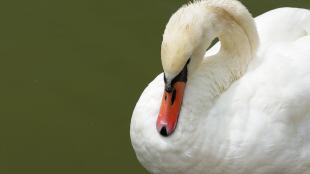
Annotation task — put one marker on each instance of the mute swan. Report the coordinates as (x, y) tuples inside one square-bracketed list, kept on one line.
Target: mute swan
[(245, 110)]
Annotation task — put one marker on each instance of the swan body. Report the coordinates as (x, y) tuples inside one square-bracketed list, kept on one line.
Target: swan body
[(246, 109)]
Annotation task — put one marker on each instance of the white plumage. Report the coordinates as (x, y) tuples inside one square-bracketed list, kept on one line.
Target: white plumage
[(246, 109)]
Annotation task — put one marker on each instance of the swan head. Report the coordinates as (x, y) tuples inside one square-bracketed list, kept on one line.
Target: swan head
[(184, 39), (182, 50)]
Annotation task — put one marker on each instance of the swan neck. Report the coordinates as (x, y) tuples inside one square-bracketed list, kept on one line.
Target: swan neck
[(238, 40)]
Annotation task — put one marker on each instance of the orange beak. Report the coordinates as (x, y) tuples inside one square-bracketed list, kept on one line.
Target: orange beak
[(170, 109)]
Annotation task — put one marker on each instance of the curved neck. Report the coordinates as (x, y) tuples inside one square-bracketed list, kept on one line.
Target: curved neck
[(239, 40), (236, 47)]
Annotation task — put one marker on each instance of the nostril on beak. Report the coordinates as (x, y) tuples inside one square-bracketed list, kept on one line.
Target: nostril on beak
[(163, 131)]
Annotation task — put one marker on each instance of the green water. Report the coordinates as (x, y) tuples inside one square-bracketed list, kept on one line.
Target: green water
[(71, 72)]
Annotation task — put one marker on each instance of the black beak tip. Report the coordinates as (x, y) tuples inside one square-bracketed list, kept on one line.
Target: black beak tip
[(163, 132)]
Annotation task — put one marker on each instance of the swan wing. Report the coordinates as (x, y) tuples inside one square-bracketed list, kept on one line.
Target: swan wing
[(283, 25)]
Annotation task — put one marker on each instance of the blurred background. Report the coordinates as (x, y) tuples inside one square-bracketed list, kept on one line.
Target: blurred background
[(71, 72)]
